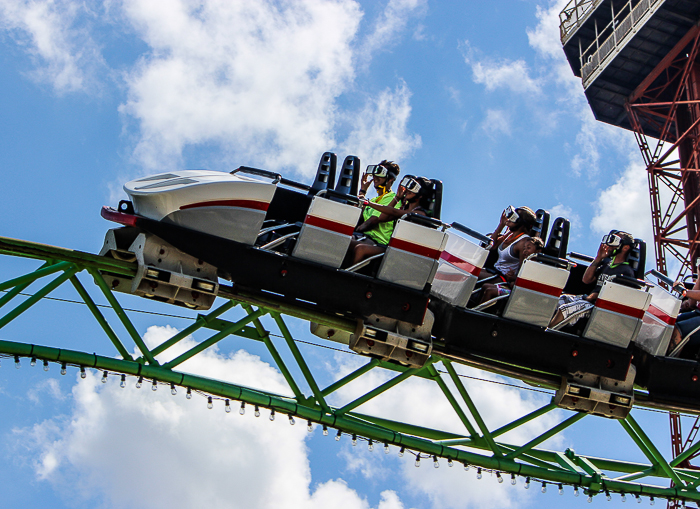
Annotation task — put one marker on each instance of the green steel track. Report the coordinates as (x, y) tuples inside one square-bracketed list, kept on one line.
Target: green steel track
[(476, 446)]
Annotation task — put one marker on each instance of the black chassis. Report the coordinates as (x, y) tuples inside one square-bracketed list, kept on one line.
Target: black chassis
[(298, 281), (473, 333), (668, 380)]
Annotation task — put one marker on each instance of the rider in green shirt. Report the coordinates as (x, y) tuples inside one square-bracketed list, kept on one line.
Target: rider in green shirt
[(380, 213)]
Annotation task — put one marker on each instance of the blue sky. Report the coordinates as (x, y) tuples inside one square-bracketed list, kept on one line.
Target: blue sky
[(93, 94)]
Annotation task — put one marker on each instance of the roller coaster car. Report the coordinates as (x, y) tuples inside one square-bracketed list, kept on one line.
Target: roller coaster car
[(274, 236), (670, 381), (270, 234), (512, 329)]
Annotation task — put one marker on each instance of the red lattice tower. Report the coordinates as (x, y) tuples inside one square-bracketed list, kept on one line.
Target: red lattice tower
[(638, 62)]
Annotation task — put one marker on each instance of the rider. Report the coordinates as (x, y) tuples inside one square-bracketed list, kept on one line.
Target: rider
[(611, 261), (518, 221), (530, 246), (412, 197), (383, 175)]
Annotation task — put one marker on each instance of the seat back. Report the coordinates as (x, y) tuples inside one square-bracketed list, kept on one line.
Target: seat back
[(349, 177), (432, 199), (541, 225), (325, 175), (458, 269), (617, 316), (558, 241), (436, 202), (411, 258), (659, 319), (536, 291), (326, 232), (637, 258)]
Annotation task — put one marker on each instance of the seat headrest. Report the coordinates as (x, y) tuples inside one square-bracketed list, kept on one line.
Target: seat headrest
[(541, 225), (325, 175), (349, 177), (638, 257), (558, 241), (430, 195)]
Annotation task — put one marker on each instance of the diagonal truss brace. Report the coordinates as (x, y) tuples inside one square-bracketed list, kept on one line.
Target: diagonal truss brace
[(524, 459)]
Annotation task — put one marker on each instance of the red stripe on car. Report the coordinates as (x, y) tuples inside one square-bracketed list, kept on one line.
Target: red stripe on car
[(664, 317), (327, 224), (404, 245), (528, 284), (462, 264), (244, 204), (616, 307)]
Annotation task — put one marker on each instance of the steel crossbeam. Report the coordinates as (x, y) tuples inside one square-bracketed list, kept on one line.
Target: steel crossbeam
[(477, 445)]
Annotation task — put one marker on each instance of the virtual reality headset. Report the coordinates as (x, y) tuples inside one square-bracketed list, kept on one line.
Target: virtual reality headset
[(614, 240), (511, 214), (377, 170), (411, 185)]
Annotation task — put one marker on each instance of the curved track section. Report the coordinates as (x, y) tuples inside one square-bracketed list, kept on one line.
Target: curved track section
[(476, 447)]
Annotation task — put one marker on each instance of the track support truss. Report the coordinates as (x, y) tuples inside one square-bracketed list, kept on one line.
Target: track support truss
[(476, 445)]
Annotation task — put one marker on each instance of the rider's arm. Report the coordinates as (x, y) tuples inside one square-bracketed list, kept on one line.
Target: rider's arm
[(590, 275)]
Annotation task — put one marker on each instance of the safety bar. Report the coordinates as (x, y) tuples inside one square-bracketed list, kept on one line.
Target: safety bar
[(276, 177), (423, 220), (551, 260), (278, 227), (472, 233), (679, 347), (631, 282), (364, 263), (277, 242), (298, 185), (490, 303), (330, 193), (660, 276), (580, 256), (665, 279)]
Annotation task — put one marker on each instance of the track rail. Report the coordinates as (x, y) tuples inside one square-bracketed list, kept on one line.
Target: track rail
[(477, 445)]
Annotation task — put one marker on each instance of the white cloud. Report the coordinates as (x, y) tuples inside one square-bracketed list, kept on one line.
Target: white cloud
[(513, 75), (497, 122), (257, 81), (593, 137), (561, 210), (64, 54), (49, 386), (391, 23), (625, 205), (381, 128), (139, 448), (545, 36), (421, 402), (251, 77)]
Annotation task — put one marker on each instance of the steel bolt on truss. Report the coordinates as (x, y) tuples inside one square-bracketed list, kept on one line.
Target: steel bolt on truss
[(478, 445)]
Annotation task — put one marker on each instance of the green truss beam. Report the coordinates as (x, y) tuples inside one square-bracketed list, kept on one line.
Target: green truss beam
[(347, 423), (479, 447)]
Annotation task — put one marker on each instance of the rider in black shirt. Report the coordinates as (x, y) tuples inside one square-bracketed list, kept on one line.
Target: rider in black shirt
[(611, 261)]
